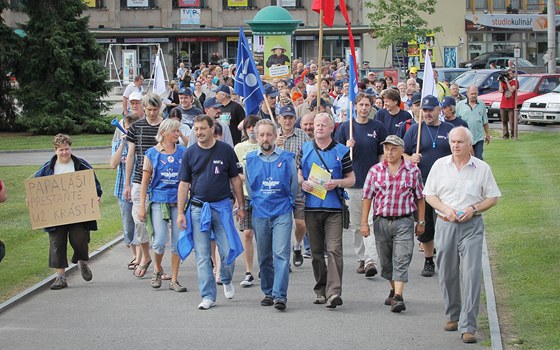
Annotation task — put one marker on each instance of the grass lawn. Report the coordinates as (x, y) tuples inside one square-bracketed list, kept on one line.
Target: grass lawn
[(26, 261), (523, 233), (13, 141)]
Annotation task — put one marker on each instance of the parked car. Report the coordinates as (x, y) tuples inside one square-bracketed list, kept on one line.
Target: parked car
[(502, 62), (530, 85), (543, 109), (485, 79), (446, 74), (480, 61)]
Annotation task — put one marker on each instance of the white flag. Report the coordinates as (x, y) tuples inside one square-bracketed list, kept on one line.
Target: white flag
[(429, 85), (159, 79)]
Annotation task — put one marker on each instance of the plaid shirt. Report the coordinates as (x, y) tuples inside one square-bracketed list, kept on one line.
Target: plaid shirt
[(121, 169), (295, 142), (393, 195)]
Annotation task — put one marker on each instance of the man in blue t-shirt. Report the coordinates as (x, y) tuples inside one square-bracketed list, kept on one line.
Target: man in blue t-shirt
[(365, 143), (210, 167), (434, 144), (448, 108), (188, 111), (391, 115)]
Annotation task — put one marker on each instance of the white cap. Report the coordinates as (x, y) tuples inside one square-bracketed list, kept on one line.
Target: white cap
[(135, 96)]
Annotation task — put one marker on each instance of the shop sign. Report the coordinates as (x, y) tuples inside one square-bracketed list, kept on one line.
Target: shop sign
[(237, 3), (137, 3), (483, 22), (190, 16), (189, 3), (213, 39), (106, 41), (145, 40)]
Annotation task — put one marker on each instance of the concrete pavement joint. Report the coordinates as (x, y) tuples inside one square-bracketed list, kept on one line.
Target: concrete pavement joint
[(493, 322), (16, 299)]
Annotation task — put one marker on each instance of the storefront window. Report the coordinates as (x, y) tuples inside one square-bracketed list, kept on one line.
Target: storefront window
[(499, 4), (481, 4), (534, 5)]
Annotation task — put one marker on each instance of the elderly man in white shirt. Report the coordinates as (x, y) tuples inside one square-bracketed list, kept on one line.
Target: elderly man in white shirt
[(459, 188)]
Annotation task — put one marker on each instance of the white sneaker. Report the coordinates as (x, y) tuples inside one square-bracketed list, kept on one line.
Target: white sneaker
[(206, 304), (229, 290)]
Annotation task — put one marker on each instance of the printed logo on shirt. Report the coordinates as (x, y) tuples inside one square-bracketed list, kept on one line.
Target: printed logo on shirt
[(270, 186), (217, 161), (373, 135)]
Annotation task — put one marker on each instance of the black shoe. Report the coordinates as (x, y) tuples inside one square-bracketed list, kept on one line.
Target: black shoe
[(280, 305), (397, 304), (429, 268), (390, 297), (267, 301), (298, 258), (370, 270), (334, 301)]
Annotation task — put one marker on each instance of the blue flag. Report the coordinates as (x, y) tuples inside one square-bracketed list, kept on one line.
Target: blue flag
[(247, 80), (353, 88)]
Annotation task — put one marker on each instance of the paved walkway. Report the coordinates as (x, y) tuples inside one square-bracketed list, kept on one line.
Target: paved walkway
[(119, 311)]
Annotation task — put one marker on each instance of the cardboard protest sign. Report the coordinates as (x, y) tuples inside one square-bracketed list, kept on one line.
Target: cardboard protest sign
[(62, 199)]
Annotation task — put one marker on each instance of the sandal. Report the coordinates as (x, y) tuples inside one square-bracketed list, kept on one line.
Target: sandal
[(141, 270), (132, 265), (164, 276)]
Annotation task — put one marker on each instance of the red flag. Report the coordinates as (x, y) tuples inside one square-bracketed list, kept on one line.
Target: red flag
[(328, 10), (350, 34)]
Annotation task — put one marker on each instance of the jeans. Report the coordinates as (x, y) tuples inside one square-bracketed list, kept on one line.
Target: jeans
[(162, 226), (478, 148), (273, 237), (127, 222), (206, 278)]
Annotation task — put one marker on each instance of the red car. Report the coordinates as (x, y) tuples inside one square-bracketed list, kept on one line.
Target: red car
[(530, 85)]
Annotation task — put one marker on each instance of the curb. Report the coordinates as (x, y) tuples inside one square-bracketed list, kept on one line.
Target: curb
[(493, 322), (51, 151), (44, 284)]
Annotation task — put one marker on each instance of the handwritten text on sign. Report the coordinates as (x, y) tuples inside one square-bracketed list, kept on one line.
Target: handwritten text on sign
[(62, 199)]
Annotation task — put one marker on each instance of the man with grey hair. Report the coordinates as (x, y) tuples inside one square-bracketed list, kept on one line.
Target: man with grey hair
[(474, 113), (459, 188), (140, 136), (135, 85), (272, 185)]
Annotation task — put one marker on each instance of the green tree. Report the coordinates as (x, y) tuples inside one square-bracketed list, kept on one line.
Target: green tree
[(396, 21), (60, 75), (9, 46)]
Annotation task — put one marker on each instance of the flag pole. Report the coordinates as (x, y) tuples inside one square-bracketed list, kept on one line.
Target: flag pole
[(419, 131), (268, 107), (350, 115), (320, 59)]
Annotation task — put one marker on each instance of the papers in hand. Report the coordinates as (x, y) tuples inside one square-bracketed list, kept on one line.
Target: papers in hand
[(318, 176), (166, 101)]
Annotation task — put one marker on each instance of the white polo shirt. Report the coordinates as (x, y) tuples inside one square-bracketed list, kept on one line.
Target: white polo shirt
[(459, 189)]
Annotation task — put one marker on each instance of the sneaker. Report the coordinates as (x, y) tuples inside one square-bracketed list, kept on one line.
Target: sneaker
[(370, 270), (229, 290), (59, 283), (429, 268), (334, 301), (307, 254), (267, 301), (206, 304), (280, 305), (156, 279), (451, 326), (361, 269), (390, 297), (321, 299), (298, 258), (86, 272), (397, 304), (248, 280), (177, 287)]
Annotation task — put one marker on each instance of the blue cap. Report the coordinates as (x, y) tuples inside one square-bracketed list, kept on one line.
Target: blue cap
[(371, 91), (416, 97), (430, 102), (186, 91), (288, 110), (270, 90), (339, 83), (223, 88), (212, 103), (448, 101)]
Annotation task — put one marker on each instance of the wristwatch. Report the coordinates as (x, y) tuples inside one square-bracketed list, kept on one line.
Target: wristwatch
[(421, 222), (475, 212)]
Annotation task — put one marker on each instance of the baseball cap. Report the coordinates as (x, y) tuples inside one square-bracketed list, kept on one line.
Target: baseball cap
[(448, 101), (223, 88), (323, 103), (394, 140), (135, 96), (430, 102), (185, 91), (371, 91), (416, 97), (270, 90), (288, 110), (212, 103), (413, 70)]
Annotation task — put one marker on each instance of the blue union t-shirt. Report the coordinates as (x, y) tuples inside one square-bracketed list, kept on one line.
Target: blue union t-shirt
[(434, 144), (367, 148), (392, 122), (212, 184)]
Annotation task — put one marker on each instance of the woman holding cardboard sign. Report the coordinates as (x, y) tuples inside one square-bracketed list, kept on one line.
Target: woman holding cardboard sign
[(160, 180), (77, 233)]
